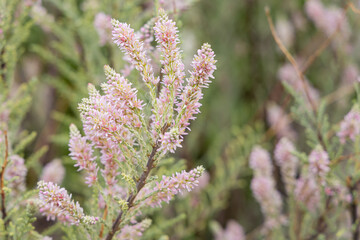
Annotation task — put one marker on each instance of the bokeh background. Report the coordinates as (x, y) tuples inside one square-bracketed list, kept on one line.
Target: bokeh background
[(63, 52)]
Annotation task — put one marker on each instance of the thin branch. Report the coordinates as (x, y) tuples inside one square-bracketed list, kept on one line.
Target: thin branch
[(298, 72), (102, 225), (289, 57), (139, 185)]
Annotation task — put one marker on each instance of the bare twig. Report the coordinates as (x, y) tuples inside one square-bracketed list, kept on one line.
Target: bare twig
[(102, 225), (290, 58)]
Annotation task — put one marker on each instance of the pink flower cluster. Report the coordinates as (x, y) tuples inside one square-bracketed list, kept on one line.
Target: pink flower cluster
[(203, 67), (115, 124), (185, 98), (173, 68), (81, 151), (55, 202), (350, 126), (165, 190), (130, 44)]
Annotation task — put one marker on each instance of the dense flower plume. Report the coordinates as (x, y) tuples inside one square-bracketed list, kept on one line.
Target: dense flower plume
[(129, 43), (55, 202), (165, 190), (82, 153)]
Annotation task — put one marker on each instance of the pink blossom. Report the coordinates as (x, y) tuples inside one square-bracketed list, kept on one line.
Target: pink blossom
[(165, 190), (350, 126), (203, 68), (54, 172), (81, 151), (173, 69), (129, 43), (55, 202)]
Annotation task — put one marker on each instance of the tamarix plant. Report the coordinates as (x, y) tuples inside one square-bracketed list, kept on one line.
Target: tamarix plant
[(126, 137)]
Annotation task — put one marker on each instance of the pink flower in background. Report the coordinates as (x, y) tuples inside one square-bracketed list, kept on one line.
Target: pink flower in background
[(102, 24), (286, 32), (54, 172), (287, 163), (327, 19), (175, 5), (279, 121), (319, 164), (265, 193), (233, 231), (350, 126), (307, 193), (15, 174), (350, 74), (134, 231), (287, 74)]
